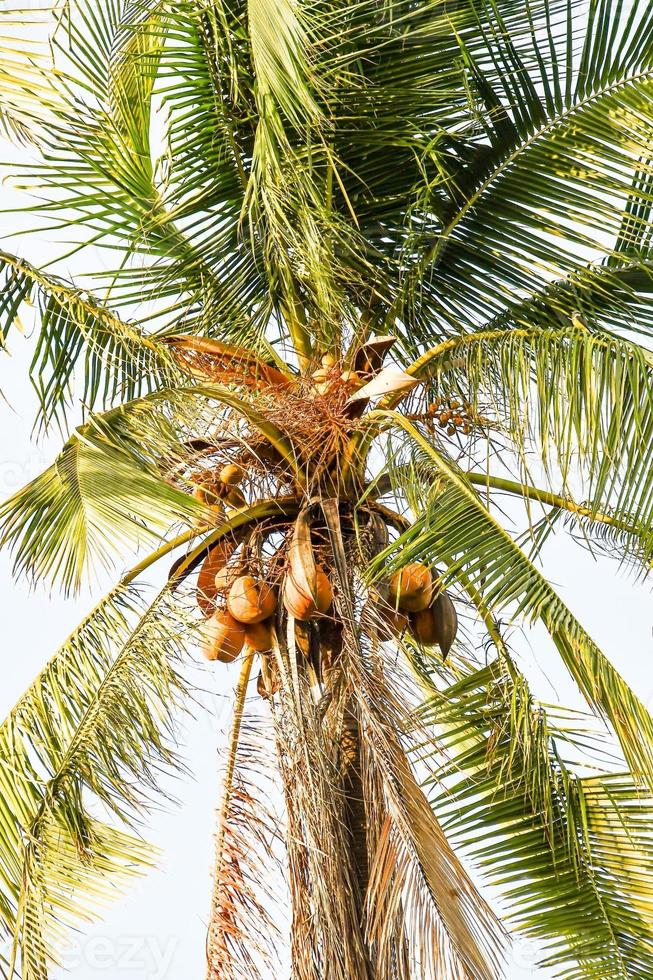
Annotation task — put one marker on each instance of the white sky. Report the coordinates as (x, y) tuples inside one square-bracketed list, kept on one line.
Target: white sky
[(158, 931)]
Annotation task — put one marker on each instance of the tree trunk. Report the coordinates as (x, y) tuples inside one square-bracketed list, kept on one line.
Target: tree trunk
[(355, 813)]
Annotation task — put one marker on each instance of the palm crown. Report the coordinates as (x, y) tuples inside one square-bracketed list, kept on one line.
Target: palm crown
[(378, 262)]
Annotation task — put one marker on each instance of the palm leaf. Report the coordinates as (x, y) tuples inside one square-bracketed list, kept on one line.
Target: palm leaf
[(584, 400), (118, 358), (455, 523), (98, 497), (242, 934), (97, 720), (570, 855), (558, 186)]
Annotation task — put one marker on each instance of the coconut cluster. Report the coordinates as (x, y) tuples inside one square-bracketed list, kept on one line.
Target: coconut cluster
[(241, 605), (212, 487), (414, 601), (331, 374)]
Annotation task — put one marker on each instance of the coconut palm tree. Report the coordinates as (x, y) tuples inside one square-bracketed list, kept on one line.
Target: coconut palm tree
[(382, 267)]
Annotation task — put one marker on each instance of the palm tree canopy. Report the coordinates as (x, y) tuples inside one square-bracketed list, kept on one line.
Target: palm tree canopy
[(390, 258)]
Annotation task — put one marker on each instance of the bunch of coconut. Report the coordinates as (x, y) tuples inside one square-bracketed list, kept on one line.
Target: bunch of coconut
[(243, 610), (240, 605), (223, 485), (414, 601)]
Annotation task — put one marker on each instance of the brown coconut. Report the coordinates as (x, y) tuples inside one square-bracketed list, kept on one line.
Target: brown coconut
[(298, 600), (411, 589), (224, 637), (258, 636), (423, 627), (231, 474), (213, 564), (223, 579), (380, 618), (250, 600), (235, 497), (445, 620)]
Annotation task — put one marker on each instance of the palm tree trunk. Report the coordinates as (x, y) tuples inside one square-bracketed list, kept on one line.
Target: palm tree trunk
[(355, 814)]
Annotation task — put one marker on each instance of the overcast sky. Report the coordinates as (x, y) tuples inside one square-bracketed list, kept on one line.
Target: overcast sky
[(158, 931)]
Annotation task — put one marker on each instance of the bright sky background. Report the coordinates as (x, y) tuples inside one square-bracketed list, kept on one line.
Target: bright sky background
[(158, 931)]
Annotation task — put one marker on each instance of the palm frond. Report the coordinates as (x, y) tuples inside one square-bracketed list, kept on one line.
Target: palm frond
[(570, 855), (613, 295), (126, 477), (517, 222), (419, 895), (242, 933), (454, 524), (583, 400), (98, 497), (97, 720), (100, 171), (118, 359)]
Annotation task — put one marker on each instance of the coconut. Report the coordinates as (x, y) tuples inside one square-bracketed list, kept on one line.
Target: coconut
[(377, 617), (258, 636), (231, 474), (251, 601), (300, 603), (223, 579), (411, 589), (235, 497), (212, 566), (328, 360), (423, 627), (205, 494), (445, 620), (224, 637)]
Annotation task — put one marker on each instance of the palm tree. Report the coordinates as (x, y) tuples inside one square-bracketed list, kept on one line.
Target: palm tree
[(383, 265)]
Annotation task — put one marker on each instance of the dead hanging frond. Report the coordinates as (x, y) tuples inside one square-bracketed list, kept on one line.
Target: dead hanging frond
[(419, 893), (243, 934), (423, 910), (212, 360)]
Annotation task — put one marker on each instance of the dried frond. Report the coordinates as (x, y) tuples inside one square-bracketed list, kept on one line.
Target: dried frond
[(243, 934)]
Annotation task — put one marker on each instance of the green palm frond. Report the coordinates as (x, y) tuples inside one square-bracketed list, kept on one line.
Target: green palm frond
[(583, 400), (454, 523), (97, 720), (122, 481), (560, 182), (118, 359), (98, 498), (99, 169), (571, 855), (613, 295)]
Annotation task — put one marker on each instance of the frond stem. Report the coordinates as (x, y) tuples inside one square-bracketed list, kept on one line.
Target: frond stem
[(240, 696), (545, 497)]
